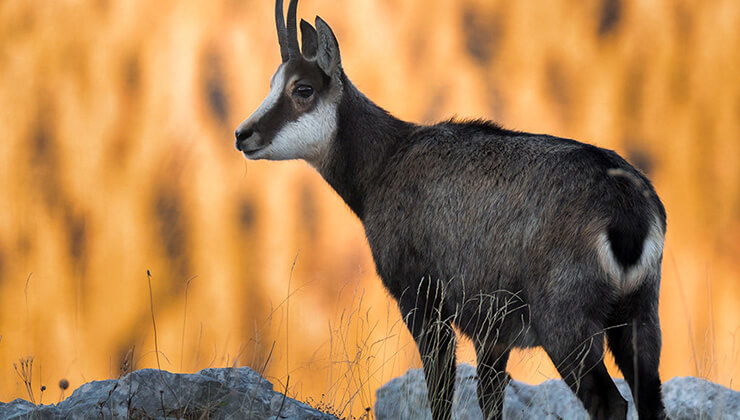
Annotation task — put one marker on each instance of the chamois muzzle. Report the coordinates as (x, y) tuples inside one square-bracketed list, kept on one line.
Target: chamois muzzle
[(247, 140)]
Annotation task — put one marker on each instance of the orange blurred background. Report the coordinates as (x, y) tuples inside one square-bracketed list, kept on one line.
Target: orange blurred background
[(116, 156)]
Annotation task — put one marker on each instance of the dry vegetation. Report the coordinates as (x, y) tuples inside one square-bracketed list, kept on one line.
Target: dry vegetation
[(116, 156)]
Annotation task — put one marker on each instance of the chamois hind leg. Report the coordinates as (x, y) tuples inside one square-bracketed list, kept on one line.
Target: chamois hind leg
[(639, 311), (432, 330), (580, 363), (575, 344)]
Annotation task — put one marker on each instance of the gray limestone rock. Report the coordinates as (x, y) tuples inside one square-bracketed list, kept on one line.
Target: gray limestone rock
[(227, 393), (241, 393), (694, 398), (690, 398)]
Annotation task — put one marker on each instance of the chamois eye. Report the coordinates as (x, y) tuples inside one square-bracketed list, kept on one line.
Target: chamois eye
[(304, 91)]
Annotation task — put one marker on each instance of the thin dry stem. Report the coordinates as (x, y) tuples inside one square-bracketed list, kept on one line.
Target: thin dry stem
[(154, 323)]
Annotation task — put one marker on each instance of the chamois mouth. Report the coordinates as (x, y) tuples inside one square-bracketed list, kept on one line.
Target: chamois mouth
[(251, 152)]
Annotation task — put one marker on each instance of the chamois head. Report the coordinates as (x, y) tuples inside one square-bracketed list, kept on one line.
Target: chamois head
[(298, 118)]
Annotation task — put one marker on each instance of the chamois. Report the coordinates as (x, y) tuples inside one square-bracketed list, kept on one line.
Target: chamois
[(516, 239)]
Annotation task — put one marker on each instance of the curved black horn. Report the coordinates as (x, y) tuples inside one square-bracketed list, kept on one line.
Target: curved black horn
[(282, 32), (293, 50)]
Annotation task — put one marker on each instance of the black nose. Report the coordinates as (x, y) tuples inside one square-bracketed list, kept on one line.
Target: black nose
[(242, 134)]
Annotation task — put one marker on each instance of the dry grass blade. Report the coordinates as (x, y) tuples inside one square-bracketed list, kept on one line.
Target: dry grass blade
[(24, 369), (154, 323), (184, 318), (285, 393)]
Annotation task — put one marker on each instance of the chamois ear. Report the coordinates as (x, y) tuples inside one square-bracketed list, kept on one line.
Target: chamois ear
[(327, 55), (309, 40)]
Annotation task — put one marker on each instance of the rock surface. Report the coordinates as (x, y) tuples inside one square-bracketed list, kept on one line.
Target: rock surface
[(685, 398), (241, 393), (238, 393)]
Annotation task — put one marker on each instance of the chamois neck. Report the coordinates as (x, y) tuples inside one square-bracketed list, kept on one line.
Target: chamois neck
[(367, 136)]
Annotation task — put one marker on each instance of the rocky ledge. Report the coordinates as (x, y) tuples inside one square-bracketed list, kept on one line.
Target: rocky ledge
[(685, 398), (233, 393), (241, 393)]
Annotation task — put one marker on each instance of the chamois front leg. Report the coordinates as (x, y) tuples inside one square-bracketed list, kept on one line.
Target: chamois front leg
[(435, 339), (492, 378)]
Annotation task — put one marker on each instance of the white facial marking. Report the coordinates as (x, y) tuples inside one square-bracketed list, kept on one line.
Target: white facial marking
[(276, 89), (307, 137), (630, 279)]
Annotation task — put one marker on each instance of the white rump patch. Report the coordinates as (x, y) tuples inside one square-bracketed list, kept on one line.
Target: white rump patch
[(630, 279)]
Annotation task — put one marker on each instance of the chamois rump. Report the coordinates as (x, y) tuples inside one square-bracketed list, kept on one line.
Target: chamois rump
[(517, 239)]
